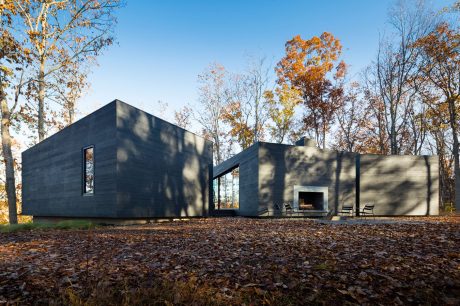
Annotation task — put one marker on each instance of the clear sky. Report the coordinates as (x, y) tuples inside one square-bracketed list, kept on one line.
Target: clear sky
[(162, 46)]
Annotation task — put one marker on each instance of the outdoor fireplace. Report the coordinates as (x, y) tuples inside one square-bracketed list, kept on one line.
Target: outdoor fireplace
[(311, 198)]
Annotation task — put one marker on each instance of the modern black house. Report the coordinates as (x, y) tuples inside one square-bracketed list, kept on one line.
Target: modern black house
[(317, 182), (118, 163)]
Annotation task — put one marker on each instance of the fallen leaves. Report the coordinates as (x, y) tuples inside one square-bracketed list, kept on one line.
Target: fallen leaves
[(302, 261)]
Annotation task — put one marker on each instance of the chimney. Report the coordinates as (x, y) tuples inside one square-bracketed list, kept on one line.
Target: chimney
[(306, 142)]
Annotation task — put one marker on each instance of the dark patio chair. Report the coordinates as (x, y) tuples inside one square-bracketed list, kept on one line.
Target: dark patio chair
[(284, 209), (368, 210), (347, 210), (289, 209), (264, 211)]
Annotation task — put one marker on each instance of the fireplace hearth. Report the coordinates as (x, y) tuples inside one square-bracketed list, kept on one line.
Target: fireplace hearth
[(311, 198)]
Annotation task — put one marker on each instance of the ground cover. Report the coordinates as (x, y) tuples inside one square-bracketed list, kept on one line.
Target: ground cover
[(236, 261)]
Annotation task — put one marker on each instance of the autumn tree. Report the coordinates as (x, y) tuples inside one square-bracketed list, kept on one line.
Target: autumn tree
[(282, 104), (13, 58), (441, 67), (440, 143), (312, 66), (61, 33)]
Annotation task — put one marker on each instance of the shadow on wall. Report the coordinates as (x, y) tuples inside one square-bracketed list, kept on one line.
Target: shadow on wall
[(282, 167), (400, 185), (162, 169)]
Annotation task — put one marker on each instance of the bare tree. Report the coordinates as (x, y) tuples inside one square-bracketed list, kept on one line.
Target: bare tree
[(213, 97), (246, 112), (68, 85), (258, 79), (353, 120), (396, 67), (183, 117)]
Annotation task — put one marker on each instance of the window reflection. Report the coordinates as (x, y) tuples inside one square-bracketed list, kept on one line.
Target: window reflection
[(88, 184), (226, 190)]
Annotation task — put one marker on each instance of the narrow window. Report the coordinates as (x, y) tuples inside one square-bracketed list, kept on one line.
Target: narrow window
[(88, 170)]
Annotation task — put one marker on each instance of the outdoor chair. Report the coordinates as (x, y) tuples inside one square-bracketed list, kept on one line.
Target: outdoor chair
[(264, 211), (285, 208), (289, 209), (347, 210), (368, 210)]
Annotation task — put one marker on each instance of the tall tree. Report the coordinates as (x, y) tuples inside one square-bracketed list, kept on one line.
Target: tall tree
[(68, 85), (353, 121), (312, 66), (13, 57), (213, 97), (441, 67), (246, 112), (61, 33), (396, 68), (440, 143)]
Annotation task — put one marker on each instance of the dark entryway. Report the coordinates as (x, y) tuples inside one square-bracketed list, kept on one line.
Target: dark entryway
[(311, 200)]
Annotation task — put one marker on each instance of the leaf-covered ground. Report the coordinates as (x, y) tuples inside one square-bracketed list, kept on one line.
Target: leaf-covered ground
[(235, 261)]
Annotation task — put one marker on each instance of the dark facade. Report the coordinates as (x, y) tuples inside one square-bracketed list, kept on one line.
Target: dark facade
[(144, 167), (272, 174)]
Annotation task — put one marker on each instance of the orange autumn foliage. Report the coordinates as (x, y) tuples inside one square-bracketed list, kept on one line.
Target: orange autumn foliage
[(312, 66)]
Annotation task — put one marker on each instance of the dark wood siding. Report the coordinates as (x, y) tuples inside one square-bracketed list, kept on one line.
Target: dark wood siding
[(163, 170), (53, 169)]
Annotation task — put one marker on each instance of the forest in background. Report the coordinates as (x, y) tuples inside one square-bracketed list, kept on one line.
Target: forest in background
[(406, 101)]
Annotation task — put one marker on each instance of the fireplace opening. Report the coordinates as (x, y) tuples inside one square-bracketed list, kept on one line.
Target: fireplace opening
[(311, 200)]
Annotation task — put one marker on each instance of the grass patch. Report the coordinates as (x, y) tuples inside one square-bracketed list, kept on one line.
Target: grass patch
[(68, 224)]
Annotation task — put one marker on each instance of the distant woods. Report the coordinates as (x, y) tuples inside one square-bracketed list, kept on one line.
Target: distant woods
[(406, 101)]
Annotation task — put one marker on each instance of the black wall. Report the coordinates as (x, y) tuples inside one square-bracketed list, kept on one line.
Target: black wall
[(52, 170), (163, 170), (281, 167), (144, 168)]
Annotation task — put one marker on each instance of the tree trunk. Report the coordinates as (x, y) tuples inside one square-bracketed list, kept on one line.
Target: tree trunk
[(41, 100), (71, 112), (453, 125), (9, 162), (393, 139), (324, 137)]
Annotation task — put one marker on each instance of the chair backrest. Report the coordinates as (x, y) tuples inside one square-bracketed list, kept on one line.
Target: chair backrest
[(347, 207), (287, 206), (368, 207)]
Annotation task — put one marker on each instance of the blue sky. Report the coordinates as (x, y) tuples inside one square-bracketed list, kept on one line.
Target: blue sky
[(164, 45)]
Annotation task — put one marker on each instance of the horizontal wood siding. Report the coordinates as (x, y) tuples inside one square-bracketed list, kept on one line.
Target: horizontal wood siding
[(52, 170), (163, 170)]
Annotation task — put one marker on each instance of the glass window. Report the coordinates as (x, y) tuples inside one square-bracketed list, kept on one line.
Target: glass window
[(88, 170), (226, 190)]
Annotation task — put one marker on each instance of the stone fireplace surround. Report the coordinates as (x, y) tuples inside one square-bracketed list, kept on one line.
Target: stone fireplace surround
[(317, 189)]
